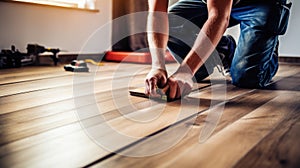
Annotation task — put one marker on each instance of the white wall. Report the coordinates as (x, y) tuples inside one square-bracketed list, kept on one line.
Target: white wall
[(289, 43), (66, 29), (70, 29)]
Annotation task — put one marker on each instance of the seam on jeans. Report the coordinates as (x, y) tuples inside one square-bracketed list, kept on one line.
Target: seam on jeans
[(262, 74)]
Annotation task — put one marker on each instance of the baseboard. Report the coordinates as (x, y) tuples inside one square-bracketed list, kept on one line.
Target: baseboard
[(66, 58), (289, 59)]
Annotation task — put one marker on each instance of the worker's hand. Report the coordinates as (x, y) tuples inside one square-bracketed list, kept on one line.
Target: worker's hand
[(155, 78), (178, 85)]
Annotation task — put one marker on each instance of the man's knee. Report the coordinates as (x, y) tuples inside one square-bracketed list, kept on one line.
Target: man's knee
[(245, 81), (245, 76), (251, 79)]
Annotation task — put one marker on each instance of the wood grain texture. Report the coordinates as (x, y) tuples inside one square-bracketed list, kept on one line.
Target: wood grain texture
[(232, 113), (280, 148), (223, 149), (44, 119)]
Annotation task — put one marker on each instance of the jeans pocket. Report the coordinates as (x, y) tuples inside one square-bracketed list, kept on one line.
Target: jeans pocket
[(282, 18)]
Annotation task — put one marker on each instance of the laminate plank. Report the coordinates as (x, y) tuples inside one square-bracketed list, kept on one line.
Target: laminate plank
[(53, 91), (36, 85), (116, 111), (31, 117), (44, 97), (34, 148), (28, 70), (26, 123), (19, 79), (279, 149), (195, 124), (137, 130), (63, 134), (140, 92), (224, 148), (73, 150), (114, 118), (289, 83), (45, 158), (31, 73), (21, 110), (37, 117), (106, 72), (58, 84), (284, 70), (30, 123), (65, 129), (154, 161), (220, 92)]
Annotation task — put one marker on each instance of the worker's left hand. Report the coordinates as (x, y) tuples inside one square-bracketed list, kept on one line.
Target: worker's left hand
[(178, 85), (156, 78)]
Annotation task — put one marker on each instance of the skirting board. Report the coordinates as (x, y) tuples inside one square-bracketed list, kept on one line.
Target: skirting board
[(288, 59)]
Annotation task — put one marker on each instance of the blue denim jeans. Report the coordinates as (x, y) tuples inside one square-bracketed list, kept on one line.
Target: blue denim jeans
[(255, 60)]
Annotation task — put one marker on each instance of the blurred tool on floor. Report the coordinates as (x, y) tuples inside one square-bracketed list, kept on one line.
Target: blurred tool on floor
[(81, 65)]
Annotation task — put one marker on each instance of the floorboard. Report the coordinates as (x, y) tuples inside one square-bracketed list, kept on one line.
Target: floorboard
[(279, 149), (223, 149), (47, 116)]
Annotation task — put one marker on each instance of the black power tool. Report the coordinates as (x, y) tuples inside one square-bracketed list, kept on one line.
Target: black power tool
[(35, 49)]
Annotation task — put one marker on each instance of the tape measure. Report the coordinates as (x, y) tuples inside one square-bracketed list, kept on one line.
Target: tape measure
[(94, 62)]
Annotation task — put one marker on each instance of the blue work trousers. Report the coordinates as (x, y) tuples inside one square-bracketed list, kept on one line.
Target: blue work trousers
[(255, 59)]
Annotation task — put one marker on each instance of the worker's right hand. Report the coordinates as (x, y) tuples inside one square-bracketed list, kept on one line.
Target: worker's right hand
[(155, 78), (178, 85)]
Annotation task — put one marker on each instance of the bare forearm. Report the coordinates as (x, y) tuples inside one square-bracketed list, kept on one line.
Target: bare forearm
[(208, 38), (157, 38), (204, 45), (158, 32)]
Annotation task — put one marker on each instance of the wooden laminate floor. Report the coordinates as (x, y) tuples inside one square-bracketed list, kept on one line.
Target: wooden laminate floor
[(53, 118)]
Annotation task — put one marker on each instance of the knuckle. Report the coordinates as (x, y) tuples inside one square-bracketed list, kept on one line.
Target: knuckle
[(152, 79)]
